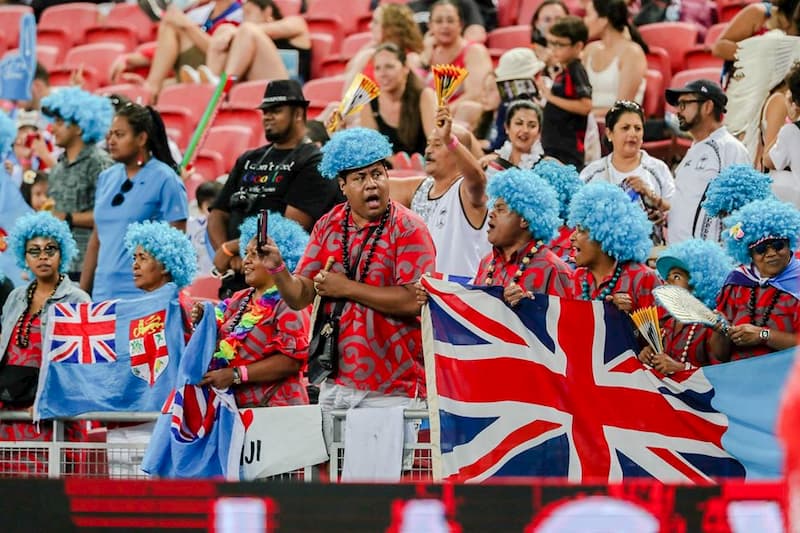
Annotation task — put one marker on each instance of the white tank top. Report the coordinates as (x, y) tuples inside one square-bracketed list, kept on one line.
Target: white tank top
[(459, 246), (605, 84)]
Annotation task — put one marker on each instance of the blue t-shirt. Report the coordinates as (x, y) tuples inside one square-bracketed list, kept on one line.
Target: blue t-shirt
[(157, 194)]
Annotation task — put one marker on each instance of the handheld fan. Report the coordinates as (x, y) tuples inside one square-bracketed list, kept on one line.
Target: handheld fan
[(360, 93), (446, 79), (685, 307), (646, 320)]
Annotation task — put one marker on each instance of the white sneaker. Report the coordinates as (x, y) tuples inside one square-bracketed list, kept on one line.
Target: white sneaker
[(188, 74), (206, 76)]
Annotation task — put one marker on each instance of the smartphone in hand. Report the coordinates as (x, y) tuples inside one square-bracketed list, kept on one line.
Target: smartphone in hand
[(261, 235)]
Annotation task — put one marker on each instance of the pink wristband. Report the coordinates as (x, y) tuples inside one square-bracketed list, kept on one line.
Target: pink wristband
[(243, 373), (454, 142), (278, 270)]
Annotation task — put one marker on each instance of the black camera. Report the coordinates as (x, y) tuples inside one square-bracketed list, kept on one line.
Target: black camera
[(243, 201)]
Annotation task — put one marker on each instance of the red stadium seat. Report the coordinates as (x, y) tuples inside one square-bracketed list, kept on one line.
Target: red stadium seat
[(209, 164), (507, 12), (349, 17), (56, 37), (132, 16), (124, 35), (526, 10), (321, 47), (329, 25), (714, 32), (46, 55), (75, 18), (95, 60), (247, 117), (247, 94), (701, 57), (685, 76), (674, 37), (658, 59), (136, 93), (352, 44), (192, 183), (324, 89), (654, 94), (229, 141), (181, 105), (510, 37), (9, 23)]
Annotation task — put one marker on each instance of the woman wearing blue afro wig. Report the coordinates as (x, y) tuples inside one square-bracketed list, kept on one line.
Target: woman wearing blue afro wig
[(523, 217), (89, 112), (761, 297), (566, 181), (610, 241), (161, 254), (43, 246), (701, 267), (288, 235), (736, 186)]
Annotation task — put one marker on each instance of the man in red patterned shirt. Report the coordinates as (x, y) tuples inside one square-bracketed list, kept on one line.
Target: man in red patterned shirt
[(524, 217), (380, 249), (611, 241)]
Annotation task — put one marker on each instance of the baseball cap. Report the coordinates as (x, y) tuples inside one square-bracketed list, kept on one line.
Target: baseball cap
[(705, 89)]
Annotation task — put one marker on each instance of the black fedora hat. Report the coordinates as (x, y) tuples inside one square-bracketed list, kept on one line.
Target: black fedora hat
[(283, 92)]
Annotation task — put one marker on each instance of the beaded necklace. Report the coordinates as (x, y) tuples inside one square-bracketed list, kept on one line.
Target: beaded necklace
[(24, 328), (751, 307), (586, 291), (346, 244), (523, 264), (685, 351), (249, 314)]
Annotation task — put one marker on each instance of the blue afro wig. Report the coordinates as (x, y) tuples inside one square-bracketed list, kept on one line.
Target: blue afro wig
[(351, 149), (289, 236), (705, 262), (736, 186), (169, 246), (757, 221), (8, 132), (564, 179), (42, 224), (613, 220), (530, 197), (91, 113)]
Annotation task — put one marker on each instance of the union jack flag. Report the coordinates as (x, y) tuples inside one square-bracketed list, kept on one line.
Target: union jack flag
[(553, 388), (83, 333)]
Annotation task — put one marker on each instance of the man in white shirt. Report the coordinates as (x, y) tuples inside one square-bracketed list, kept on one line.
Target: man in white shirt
[(700, 106)]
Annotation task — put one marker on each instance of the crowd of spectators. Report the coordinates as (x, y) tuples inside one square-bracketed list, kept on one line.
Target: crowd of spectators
[(535, 176)]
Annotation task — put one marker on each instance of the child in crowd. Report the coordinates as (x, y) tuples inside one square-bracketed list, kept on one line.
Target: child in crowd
[(569, 100), (34, 190), (31, 150), (196, 226)]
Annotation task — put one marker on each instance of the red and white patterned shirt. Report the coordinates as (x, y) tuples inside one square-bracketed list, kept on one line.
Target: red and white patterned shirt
[(636, 279), (377, 352), (545, 274)]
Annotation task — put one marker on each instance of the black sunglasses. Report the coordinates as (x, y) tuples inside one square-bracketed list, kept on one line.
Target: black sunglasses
[(775, 244), (50, 251), (127, 185)]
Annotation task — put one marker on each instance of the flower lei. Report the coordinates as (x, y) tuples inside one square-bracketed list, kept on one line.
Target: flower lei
[(249, 315)]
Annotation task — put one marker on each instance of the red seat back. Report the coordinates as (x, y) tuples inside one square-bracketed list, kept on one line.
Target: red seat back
[(674, 37)]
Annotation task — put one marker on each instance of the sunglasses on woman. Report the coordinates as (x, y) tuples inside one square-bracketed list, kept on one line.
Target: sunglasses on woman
[(776, 244), (127, 185), (50, 250)]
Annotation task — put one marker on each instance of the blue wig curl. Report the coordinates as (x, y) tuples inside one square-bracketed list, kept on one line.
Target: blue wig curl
[(8, 132), (757, 221), (613, 220), (289, 236), (169, 246), (564, 179), (531, 198), (736, 186), (42, 224), (705, 262), (353, 148), (91, 113)]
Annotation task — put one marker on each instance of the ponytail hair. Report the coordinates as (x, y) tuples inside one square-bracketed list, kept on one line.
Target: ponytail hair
[(616, 11), (148, 120)]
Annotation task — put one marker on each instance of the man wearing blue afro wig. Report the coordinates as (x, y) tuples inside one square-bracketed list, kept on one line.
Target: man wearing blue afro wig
[(700, 267), (610, 241), (736, 186), (161, 254), (80, 120), (523, 218), (566, 181), (366, 253), (761, 297)]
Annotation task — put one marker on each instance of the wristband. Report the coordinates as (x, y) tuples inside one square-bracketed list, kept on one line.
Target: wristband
[(68, 219), (237, 377), (278, 270), (243, 373), (226, 251), (454, 142)]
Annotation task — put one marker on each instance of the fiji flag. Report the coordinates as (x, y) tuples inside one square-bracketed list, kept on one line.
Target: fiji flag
[(553, 388), (200, 433), (12, 206), (115, 355)]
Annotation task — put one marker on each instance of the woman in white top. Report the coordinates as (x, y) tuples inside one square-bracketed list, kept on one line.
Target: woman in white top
[(781, 155), (646, 179), (523, 147), (616, 63)]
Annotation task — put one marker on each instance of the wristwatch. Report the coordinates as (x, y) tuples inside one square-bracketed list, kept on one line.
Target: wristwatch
[(237, 377), (764, 335)]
